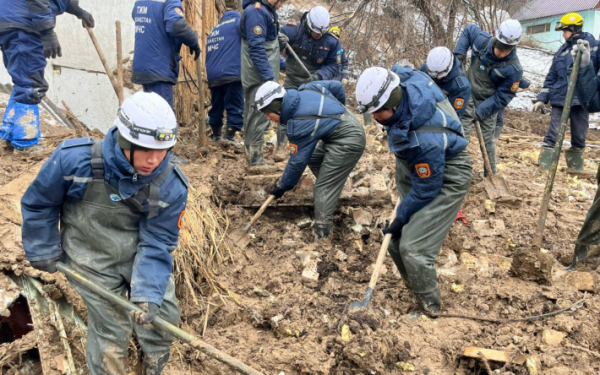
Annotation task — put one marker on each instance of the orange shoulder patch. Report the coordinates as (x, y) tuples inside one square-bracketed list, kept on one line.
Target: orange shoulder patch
[(423, 170), (257, 5), (515, 87), (180, 221), (459, 103), (179, 11), (293, 148)]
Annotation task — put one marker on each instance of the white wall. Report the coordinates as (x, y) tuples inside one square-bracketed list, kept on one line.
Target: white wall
[(78, 76)]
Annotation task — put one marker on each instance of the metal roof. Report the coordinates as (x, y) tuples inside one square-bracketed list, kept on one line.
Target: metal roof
[(544, 8)]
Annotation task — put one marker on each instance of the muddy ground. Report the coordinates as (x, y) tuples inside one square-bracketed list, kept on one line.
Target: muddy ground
[(285, 323)]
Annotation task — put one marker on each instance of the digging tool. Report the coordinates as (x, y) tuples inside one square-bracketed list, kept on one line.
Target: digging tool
[(495, 186), (240, 237), (356, 305), (109, 72), (158, 322), (119, 62), (539, 234), (293, 53)]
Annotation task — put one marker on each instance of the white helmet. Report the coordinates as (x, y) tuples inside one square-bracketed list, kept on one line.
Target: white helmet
[(318, 20), (440, 62), (268, 92), (374, 88), (147, 120), (509, 32)]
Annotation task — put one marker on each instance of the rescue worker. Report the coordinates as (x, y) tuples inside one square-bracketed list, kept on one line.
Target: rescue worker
[(323, 134), (495, 74), (160, 31), (27, 39), (446, 71), (555, 91), (119, 203), (259, 28), (433, 173), (524, 84), (223, 69), (344, 72), (588, 92)]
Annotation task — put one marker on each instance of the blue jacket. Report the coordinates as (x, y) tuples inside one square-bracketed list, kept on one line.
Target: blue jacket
[(344, 71), (223, 51), (455, 86), (588, 88), (425, 153), (325, 52), (42, 202), (305, 133), (160, 30), (258, 25), (409, 75), (505, 73), (557, 80), (32, 16)]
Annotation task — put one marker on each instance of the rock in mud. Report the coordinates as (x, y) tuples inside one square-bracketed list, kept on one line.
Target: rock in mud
[(530, 264)]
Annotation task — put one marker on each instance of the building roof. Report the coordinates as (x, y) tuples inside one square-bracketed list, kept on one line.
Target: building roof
[(544, 8)]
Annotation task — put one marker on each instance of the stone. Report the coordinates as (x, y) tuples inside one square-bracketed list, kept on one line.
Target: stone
[(552, 338), (488, 228), (378, 185), (306, 185), (582, 281), (304, 223), (362, 217)]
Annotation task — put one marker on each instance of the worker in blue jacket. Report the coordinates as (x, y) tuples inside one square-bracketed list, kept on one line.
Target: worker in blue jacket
[(524, 84), (433, 173), (495, 74), (259, 28), (446, 71), (555, 86), (223, 68), (27, 39), (344, 71), (588, 81), (112, 210), (160, 31), (324, 135)]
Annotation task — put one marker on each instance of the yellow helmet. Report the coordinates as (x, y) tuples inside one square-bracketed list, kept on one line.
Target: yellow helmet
[(335, 31), (570, 22)]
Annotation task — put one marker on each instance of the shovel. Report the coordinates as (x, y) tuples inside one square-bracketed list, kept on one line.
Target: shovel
[(158, 323), (356, 305), (240, 236), (293, 53), (495, 186)]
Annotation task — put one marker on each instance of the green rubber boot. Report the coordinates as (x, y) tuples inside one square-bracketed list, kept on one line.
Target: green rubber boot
[(545, 158), (574, 157)]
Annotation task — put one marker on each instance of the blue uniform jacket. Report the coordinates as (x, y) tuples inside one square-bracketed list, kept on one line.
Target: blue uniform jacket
[(63, 178), (425, 153), (223, 51), (409, 75), (588, 88), (258, 25), (557, 80), (160, 30), (305, 112), (505, 73), (32, 16), (344, 71), (456, 86), (325, 52)]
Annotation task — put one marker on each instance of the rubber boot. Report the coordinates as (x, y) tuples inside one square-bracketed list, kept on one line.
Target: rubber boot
[(574, 157), (430, 302), (216, 133), (230, 134), (155, 366), (545, 158), (581, 255), (255, 155), (323, 230)]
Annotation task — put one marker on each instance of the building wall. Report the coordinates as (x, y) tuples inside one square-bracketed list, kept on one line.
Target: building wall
[(552, 40)]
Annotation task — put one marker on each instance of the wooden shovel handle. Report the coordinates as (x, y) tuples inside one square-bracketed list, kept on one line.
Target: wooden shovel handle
[(382, 251), (109, 73), (259, 213), (486, 159), (293, 53)]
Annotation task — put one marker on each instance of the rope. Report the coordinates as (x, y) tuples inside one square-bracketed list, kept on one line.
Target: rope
[(188, 78)]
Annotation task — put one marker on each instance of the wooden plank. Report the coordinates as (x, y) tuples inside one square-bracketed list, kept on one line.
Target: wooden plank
[(489, 354)]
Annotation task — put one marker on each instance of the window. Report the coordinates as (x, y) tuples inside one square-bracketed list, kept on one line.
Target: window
[(536, 29)]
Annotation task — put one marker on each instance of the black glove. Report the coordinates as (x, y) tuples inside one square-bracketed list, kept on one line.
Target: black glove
[(277, 192), (395, 228), (195, 51), (86, 18), (51, 44), (48, 265), (462, 59), (147, 316)]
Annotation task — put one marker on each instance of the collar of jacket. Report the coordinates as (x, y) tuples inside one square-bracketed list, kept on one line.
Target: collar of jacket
[(402, 116), (489, 57), (289, 106), (120, 173), (583, 36)]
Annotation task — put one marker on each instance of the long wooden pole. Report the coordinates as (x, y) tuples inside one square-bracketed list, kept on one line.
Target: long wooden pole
[(119, 62), (200, 76), (109, 72)]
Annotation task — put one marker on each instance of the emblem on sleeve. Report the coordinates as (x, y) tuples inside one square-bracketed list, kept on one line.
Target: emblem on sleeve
[(423, 170), (179, 11), (320, 60), (459, 103), (180, 221), (293, 148), (514, 87), (257, 30)]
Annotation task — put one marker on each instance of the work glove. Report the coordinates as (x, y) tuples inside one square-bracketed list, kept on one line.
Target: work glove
[(51, 44), (584, 45), (462, 59), (283, 39), (86, 18), (277, 192), (150, 309), (344, 81), (538, 106), (48, 265), (315, 77), (395, 228), (195, 51)]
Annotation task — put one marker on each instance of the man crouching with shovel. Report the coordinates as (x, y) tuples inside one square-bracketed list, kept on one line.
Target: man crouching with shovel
[(120, 204), (323, 134), (433, 174)]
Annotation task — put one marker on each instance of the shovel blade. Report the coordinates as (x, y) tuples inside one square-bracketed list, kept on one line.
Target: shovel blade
[(239, 238), (496, 187), (357, 306)]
